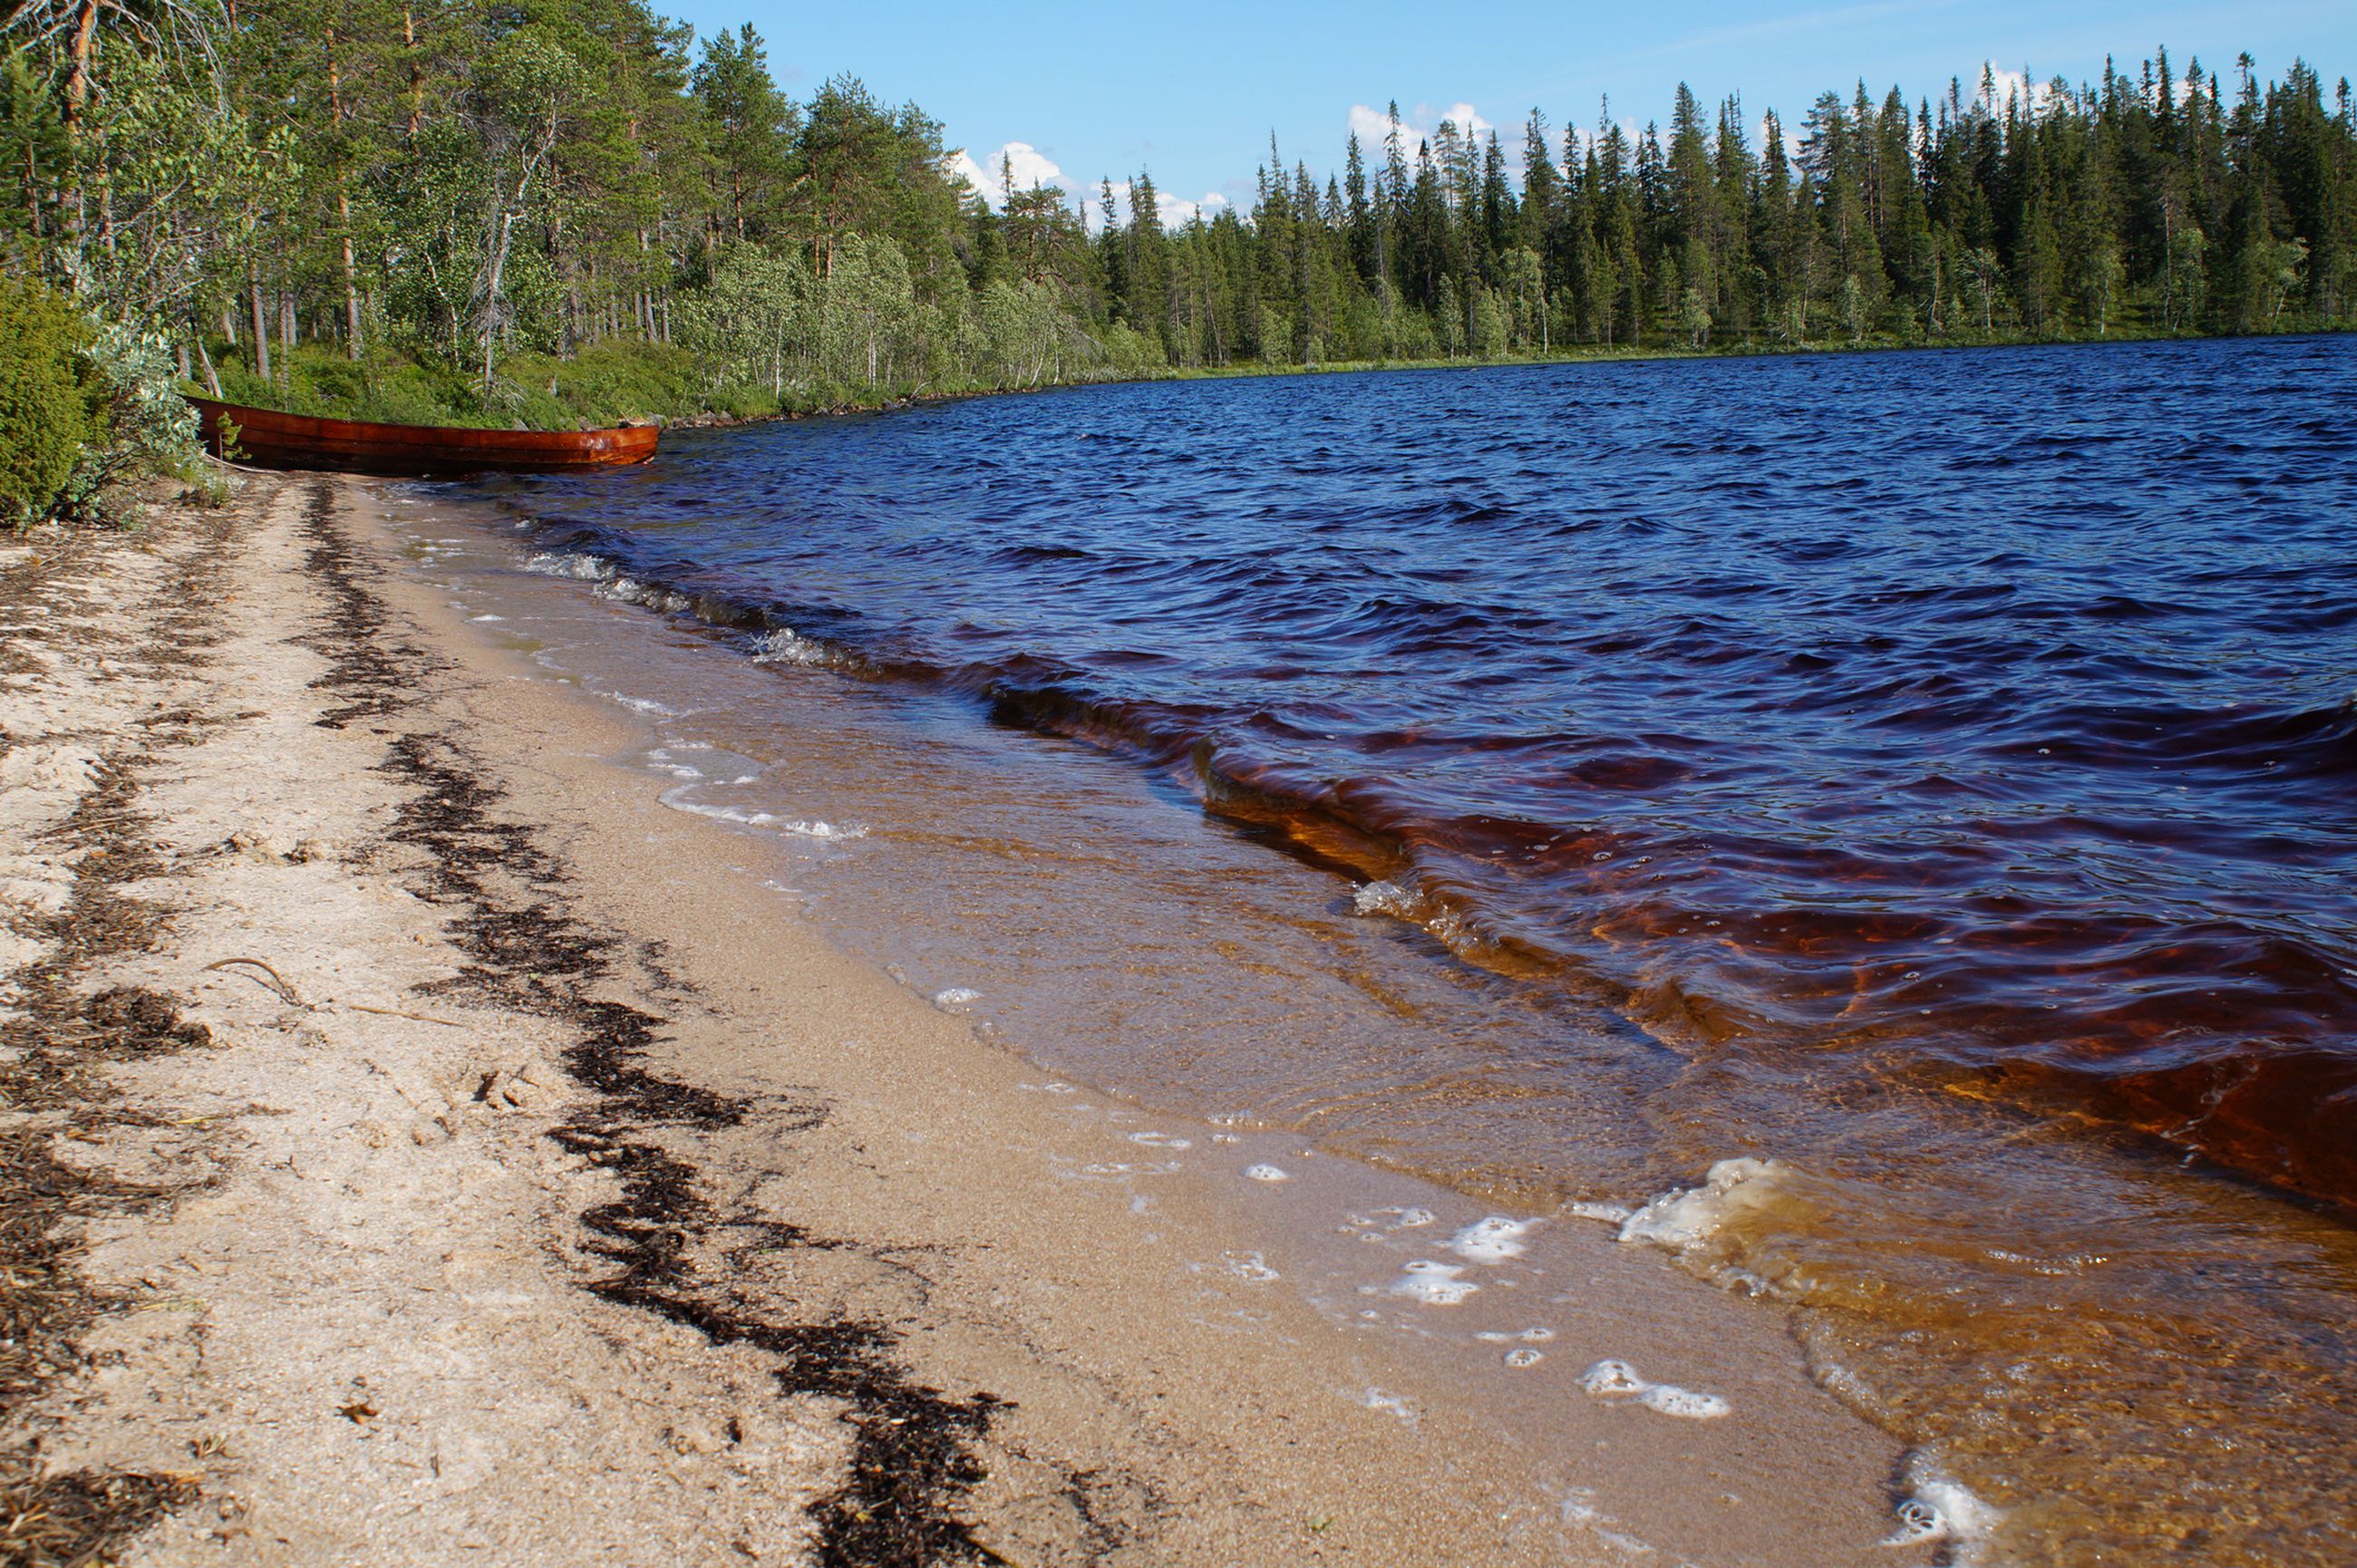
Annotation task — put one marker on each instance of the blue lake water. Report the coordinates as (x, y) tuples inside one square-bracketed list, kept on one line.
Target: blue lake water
[(1938, 769)]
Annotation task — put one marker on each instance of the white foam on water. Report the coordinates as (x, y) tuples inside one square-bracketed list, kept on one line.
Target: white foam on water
[(1612, 1380), (1377, 1398), (1944, 1509), (1383, 898), (1161, 1141), (646, 705), (1615, 1381), (954, 997), (1579, 1509), (481, 620), (1249, 1266), (630, 591), (1686, 1218), (1527, 1337), (1687, 1404), (1524, 1358), (786, 646), (1125, 1168), (1266, 1173), (1433, 1283), (676, 799), (1608, 1213), (1408, 1219), (569, 564), (1490, 1240), (816, 829)]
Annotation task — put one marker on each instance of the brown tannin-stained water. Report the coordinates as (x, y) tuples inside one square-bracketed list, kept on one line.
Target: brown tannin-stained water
[(1878, 829)]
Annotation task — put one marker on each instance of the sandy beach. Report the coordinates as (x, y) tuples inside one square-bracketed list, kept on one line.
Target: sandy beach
[(420, 1150)]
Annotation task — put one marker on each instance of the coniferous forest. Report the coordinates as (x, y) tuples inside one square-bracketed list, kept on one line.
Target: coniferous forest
[(553, 210)]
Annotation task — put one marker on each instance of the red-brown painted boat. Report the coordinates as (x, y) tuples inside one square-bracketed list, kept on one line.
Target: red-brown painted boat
[(275, 440)]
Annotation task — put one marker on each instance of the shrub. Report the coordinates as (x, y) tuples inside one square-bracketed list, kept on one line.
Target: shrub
[(52, 401), (146, 428)]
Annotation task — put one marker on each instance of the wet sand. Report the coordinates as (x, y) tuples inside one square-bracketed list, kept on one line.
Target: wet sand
[(533, 1187)]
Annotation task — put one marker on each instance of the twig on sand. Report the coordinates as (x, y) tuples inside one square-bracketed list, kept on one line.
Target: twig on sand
[(397, 1013), (276, 983), (279, 986)]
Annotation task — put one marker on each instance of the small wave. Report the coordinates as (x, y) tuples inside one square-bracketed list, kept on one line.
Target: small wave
[(677, 800), (570, 563), (630, 591), (787, 646)]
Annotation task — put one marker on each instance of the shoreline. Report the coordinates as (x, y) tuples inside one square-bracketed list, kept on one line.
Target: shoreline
[(715, 419), (515, 1183)]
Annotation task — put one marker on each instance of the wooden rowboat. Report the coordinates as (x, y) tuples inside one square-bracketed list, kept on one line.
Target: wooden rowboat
[(277, 440)]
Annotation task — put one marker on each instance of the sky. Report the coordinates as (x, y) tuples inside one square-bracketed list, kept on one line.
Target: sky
[(1192, 91)]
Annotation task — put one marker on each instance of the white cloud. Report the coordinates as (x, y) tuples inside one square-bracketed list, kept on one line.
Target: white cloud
[(1373, 126), (2035, 96), (1030, 166), (1176, 212)]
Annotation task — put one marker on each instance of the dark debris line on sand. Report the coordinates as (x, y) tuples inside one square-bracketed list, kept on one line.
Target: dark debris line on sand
[(52, 1053), (912, 1453)]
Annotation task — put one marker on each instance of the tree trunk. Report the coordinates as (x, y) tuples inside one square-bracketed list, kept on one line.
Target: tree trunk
[(416, 74), (351, 280), (343, 207), (77, 85), (261, 325), (77, 94)]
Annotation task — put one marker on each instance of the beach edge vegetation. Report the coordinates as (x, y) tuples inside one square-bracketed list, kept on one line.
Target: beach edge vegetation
[(554, 215)]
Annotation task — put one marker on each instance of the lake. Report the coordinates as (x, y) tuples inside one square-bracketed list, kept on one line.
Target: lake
[(1905, 803)]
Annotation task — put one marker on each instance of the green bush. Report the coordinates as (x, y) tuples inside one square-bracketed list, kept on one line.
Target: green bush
[(51, 400)]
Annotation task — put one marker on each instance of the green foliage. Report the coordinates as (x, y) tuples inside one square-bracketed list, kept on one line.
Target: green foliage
[(521, 212), (146, 426), (51, 401), (84, 410)]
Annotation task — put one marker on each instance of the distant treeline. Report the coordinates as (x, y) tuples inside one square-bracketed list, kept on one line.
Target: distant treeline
[(512, 196)]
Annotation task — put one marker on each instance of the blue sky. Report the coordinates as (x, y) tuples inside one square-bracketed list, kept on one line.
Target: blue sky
[(1192, 91)]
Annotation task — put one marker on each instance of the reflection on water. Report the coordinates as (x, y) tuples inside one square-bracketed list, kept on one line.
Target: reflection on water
[(1926, 775)]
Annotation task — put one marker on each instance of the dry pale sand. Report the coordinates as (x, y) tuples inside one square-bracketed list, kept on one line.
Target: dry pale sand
[(456, 1167)]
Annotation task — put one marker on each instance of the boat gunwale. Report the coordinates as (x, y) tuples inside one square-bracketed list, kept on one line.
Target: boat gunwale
[(277, 437)]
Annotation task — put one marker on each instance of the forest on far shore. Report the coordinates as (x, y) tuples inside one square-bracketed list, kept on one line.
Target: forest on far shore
[(545, 211)]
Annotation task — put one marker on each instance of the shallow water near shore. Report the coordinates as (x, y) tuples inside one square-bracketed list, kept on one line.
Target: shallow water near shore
[(1897, 806)]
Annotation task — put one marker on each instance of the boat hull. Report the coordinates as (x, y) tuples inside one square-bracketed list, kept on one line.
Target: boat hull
[(274, 440)]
